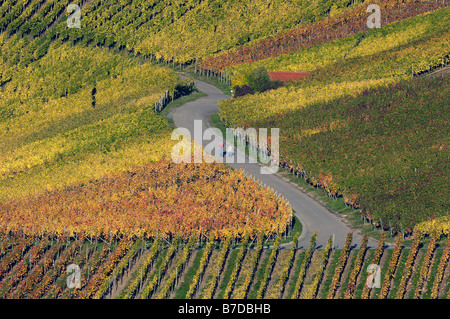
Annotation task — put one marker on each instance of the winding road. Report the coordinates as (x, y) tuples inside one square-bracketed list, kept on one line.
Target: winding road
[(312, 215)]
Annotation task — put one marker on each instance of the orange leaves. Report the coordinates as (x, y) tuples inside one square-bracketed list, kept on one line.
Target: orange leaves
[(160, 198)]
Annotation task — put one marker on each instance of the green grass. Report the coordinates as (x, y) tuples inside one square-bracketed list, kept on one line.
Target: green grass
[(231, 264), (363, 274), (188, 277), (259, 274), (322, 294), (415, 278), (344, 280), (153, 271), (216, 122), (223, 86), (398, 274), (387, 254), (298, 263), (427, 288)]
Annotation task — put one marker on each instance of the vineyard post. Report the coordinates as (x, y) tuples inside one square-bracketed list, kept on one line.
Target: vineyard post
[(401, 229), (159, 276), (390, 227)]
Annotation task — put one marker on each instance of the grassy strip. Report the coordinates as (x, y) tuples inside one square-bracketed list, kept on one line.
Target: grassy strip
[(278, 287), (362, 282), (415, 278), (374, 293), (304, 267), (155, 279), (424, 270), (408, 266), (237, 268), (428, 287), (259, 274), (179, 102), (340, 267), (209, 290), (269, 268), (386, 285), (312, 289), (179, 267), (231, 264), (140, 274), (441, 269), (295, 273), (203, 263), (332, 266), (346, 281), (397, 276), (189, 276), (376, 260), (248, 272)]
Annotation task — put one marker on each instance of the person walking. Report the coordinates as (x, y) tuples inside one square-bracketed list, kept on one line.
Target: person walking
[(230, 150), (222, 149)]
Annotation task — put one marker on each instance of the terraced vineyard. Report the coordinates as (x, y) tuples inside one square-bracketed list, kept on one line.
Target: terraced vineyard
[(342, 126), (91, 206), (201, 268)]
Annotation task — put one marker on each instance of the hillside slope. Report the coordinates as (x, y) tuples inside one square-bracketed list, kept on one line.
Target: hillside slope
[(359, 126)]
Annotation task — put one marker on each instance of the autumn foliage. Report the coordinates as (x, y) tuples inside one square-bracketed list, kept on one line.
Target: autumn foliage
[(157, 199)]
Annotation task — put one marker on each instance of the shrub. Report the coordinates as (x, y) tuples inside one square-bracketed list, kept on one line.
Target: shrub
[(259, 80), (241, 91)]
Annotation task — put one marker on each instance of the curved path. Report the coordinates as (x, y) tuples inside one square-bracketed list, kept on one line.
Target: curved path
[(312, 215)]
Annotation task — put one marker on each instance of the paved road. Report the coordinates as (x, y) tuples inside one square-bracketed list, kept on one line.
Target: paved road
[(313, 216)]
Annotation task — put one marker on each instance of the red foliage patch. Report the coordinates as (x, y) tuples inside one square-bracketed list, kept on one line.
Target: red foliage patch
[(287, 76)]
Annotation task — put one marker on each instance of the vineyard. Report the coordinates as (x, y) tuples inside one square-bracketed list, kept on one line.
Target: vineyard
[(203, 267), (360, 127), (413, 45), (336, 26), (153, 27), (59, 125), (92, 207), (371, 156), (155, 199)]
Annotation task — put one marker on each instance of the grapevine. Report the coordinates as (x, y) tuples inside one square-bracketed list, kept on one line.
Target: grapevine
[(208, 291), (385, 286), (201, 269), (239, 260), (304, 267), (269, 267), (340, 267), (409, 265), (375, 260), (441, 269)]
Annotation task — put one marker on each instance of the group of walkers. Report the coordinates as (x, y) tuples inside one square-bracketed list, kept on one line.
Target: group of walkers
[(229, 150)]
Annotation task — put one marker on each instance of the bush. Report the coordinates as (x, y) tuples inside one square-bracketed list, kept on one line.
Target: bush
[(259, 80), (241, 91)]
